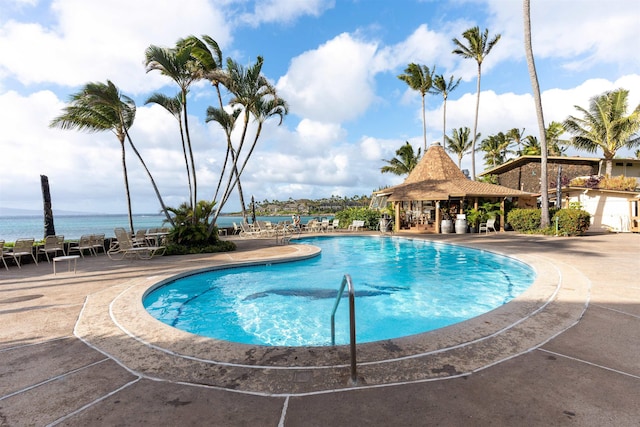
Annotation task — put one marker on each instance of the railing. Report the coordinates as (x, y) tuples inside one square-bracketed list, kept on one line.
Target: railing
[(346, 280)]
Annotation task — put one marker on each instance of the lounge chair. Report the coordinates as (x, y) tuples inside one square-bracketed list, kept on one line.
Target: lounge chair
[(2, 252), (97, 242), (125, 248), (22, 247), (52, 244), (489, 225), (84, 244), (356, 225)]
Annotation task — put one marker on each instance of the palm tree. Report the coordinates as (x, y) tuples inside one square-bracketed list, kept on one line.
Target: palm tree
[(555, 145), (179, 65), (174, 106), (477, 48), (405, 161), (605, 126), (444, 87), (460, 144), (515, 136), (496, 148), (419, 78), (101, 107), (533, 76), (531, 146)]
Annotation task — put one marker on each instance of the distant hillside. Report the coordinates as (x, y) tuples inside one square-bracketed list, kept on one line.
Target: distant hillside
[(32, 212)]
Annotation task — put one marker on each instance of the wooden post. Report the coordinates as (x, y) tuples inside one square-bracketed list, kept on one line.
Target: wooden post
[(438, 217)]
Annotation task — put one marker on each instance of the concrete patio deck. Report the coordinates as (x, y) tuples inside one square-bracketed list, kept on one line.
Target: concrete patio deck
[(76, 349)]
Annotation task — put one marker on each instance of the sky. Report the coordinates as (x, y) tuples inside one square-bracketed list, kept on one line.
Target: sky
[(335, 62)]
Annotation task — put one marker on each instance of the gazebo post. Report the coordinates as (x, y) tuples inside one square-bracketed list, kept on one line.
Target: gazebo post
[(438, 219), (503, 217), (396, 225)]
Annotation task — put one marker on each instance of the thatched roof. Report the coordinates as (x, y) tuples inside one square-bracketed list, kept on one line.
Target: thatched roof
[(437, 177)]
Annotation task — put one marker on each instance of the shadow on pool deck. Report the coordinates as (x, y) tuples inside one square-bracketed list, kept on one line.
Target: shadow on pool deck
[(66, 357)]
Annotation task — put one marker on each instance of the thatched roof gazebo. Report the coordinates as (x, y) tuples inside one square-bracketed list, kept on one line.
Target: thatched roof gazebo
[(436, 180)]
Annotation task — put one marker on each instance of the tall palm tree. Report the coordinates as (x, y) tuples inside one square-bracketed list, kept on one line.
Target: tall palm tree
[(533, 76), (404, 162), (420, 78), (179, 65), (478, 47), (101, 107), (496, 148), (444, 87), (605, 126), (459, 143), (174, 106)]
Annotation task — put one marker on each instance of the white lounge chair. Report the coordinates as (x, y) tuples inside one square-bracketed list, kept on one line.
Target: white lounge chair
[(334, 225), (22, 247), (489, 225), (356, 225), (125, 248), (2, 252), (84, 244), (52, 244)]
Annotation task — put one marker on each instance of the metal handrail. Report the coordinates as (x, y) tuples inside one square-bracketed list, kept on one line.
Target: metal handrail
[(346, 280)]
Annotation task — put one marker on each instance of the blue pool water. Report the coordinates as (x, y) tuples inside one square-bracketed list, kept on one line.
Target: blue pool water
[(402, 286)]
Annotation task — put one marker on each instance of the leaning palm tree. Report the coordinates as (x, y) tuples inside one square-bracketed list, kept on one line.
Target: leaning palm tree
[(459, 143), (444, 87), (174, 106), (533, 76), (605, 126), (516, 135), (179, 65), (101, 107), (404, 162), (477, 48), (420, 78)]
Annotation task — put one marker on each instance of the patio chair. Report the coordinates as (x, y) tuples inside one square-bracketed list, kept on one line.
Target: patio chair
[(335, 224), (84, 244), (53, 244), (2, 252), (489, 225), (125, 248), (22, 247), (356, 225), (97, 242)]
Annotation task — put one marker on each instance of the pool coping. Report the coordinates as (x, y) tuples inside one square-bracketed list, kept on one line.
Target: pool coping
[(114, 322)]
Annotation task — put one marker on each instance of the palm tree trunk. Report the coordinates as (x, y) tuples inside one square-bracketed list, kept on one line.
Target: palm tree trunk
[(153, 182), (49, 227), (544, 186), (186, 160), (444, 122), (126, 188), (424, 124), (475, 127), (194, 196)]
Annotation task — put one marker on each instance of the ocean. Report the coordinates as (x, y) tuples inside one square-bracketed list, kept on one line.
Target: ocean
[(74, 226)]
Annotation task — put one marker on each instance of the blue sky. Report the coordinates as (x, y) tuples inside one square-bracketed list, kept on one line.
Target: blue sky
[(335, 62)]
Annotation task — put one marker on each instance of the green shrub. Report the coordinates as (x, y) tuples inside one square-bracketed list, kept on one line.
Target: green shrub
[(371, 217), (188, 238), (524, 220), (571, 222)]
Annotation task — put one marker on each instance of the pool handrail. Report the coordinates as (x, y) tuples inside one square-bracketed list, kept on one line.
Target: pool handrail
[(346, 281)]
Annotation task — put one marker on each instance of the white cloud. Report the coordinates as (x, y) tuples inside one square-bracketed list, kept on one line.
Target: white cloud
[(286, 11), (332, 83)]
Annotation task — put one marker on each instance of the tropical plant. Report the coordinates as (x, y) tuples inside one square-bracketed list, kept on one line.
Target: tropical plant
[(571, 222), (516, 136), (478, 47), (605, 126), (179, 65), (101, 107), (444, 87), (496, 148), (404, 162), (531, 146), (420, 78), (459, 143), (555, 145), (371, 217)]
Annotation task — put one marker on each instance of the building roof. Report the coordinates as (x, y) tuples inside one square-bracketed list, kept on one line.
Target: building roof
[(436, 177), (522, 160)]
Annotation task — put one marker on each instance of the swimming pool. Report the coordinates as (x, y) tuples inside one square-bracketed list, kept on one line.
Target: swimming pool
[(403, 287)]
